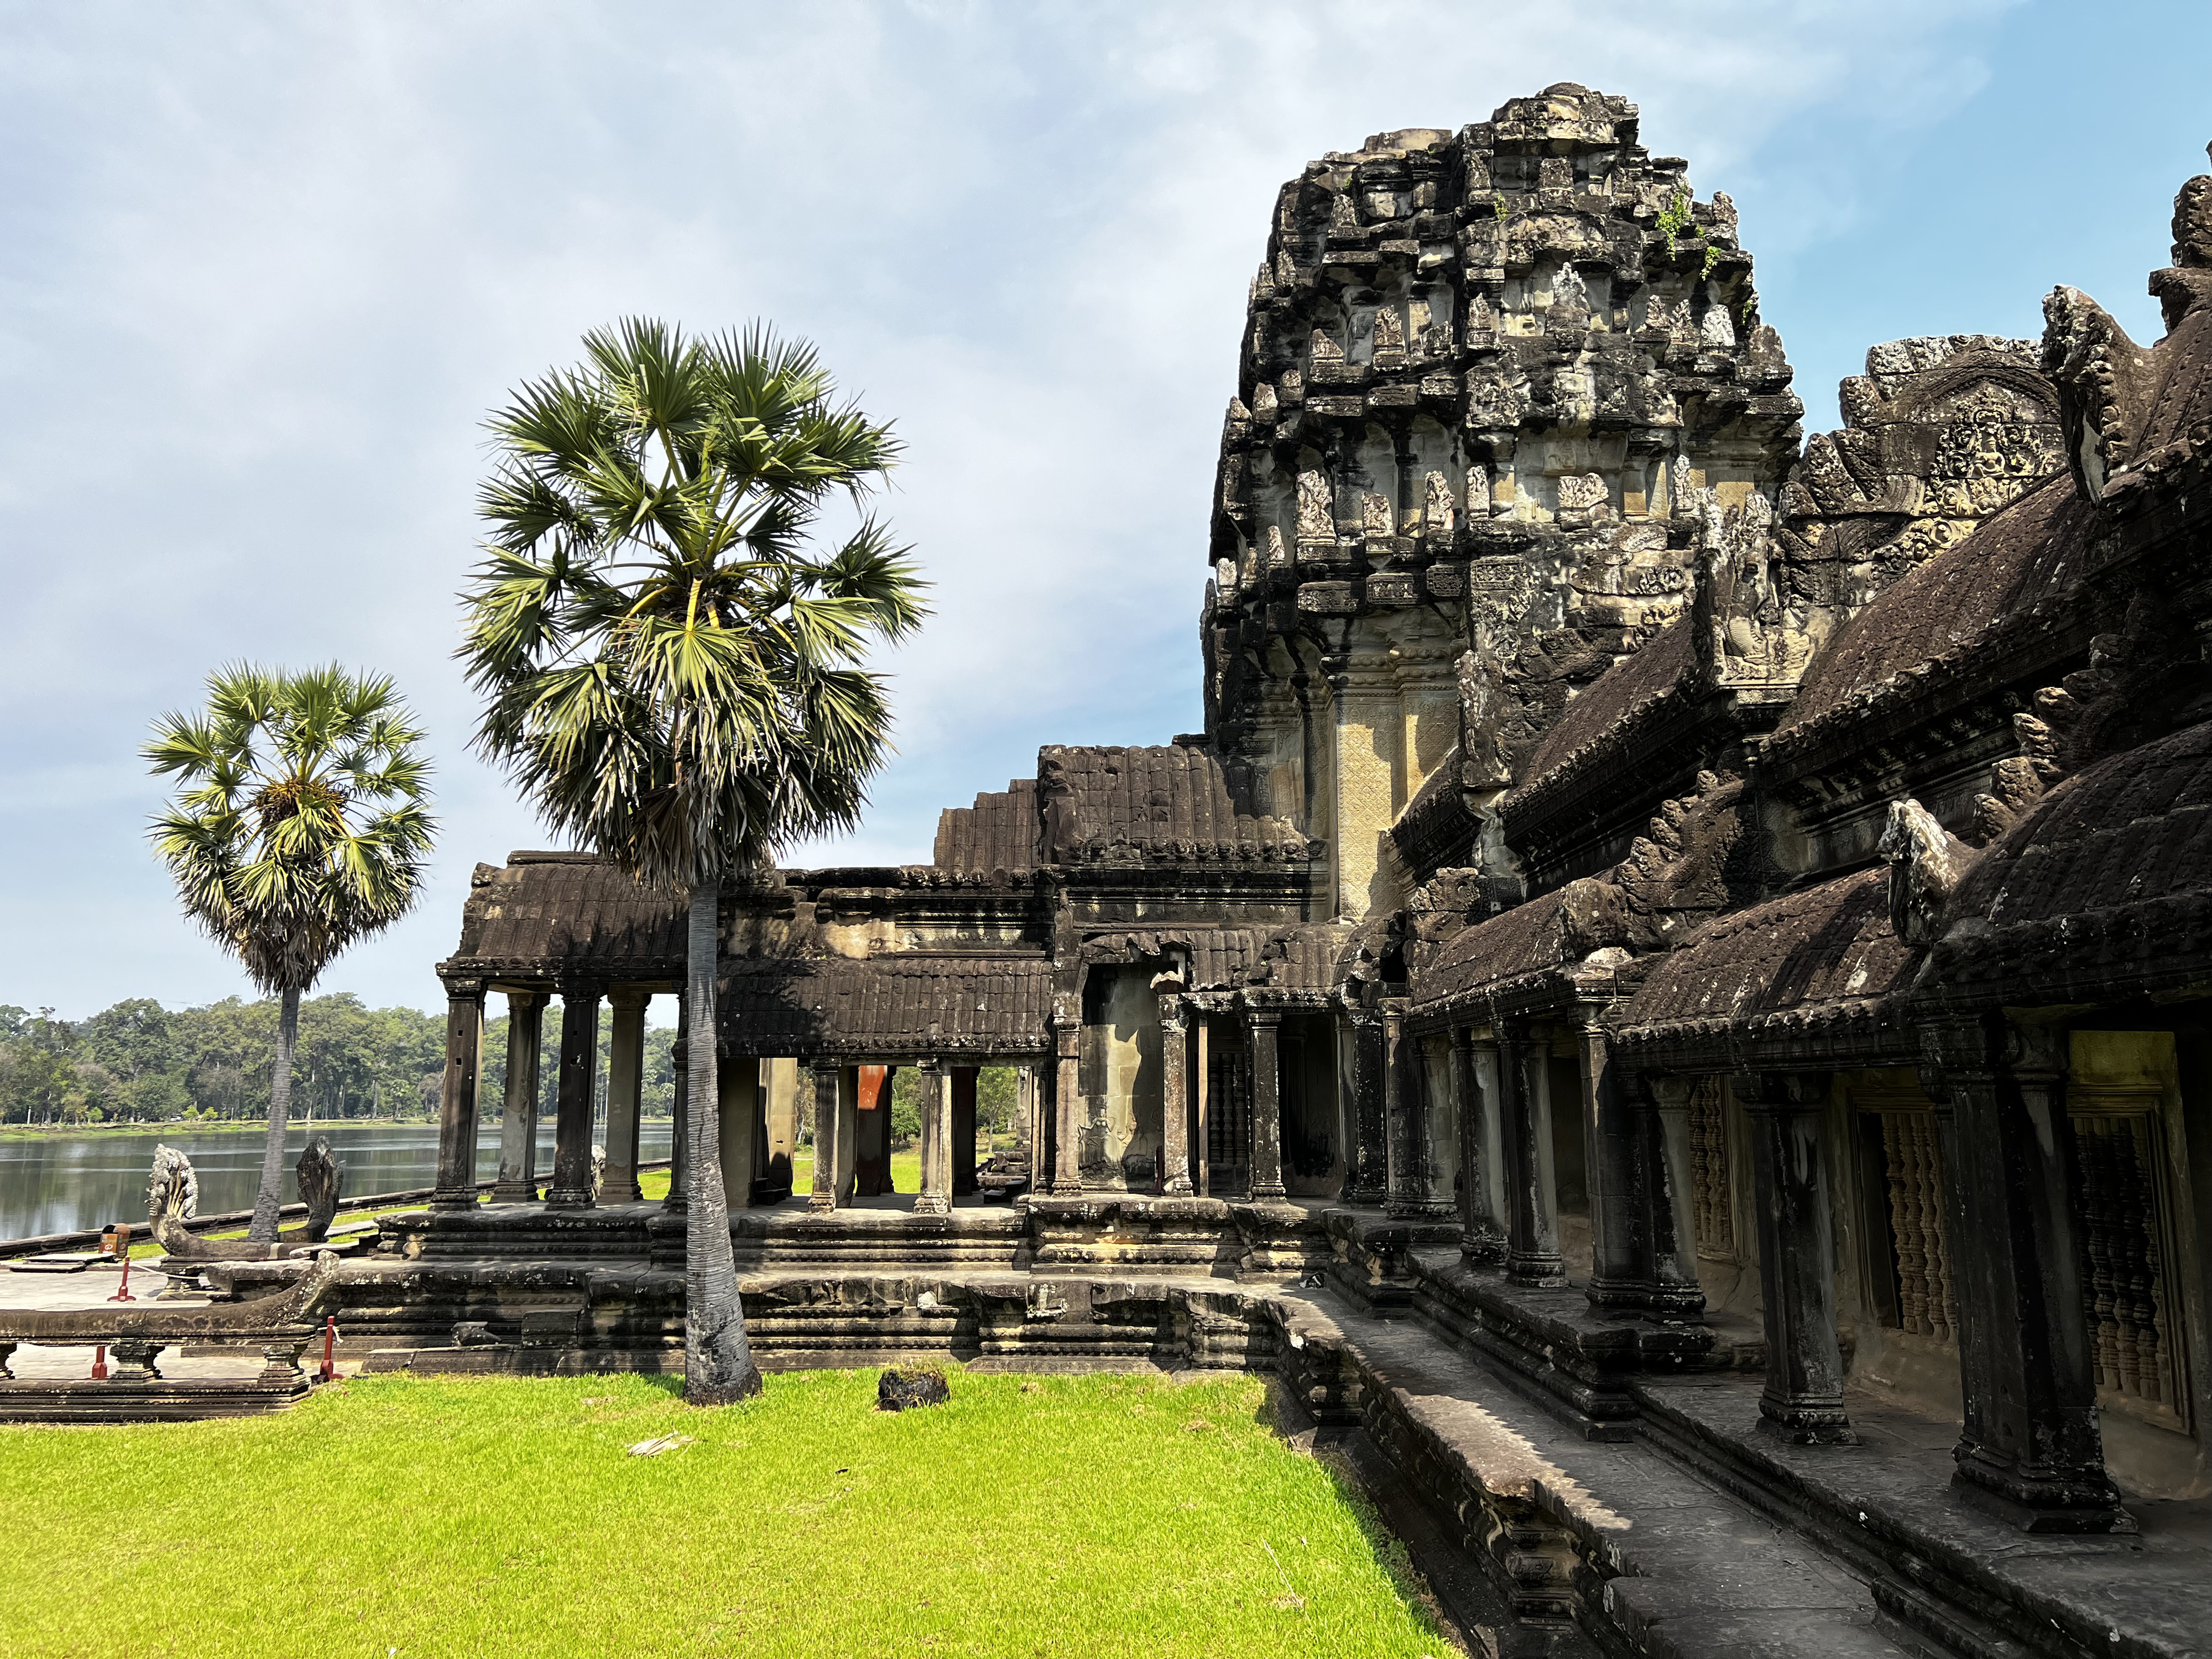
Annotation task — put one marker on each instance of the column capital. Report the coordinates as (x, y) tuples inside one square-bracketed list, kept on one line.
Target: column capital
[(930, 1063), (1669, 1094), (526, 996), (628, 996), (1175, 1013), (1262, 1017), (462, 987), (579, 985)]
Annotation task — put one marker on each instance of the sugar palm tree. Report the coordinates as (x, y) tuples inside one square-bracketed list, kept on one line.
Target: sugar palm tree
[(300, 824), (672, 666)]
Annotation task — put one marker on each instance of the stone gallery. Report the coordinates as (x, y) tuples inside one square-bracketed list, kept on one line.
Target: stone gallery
[(1673, 991)]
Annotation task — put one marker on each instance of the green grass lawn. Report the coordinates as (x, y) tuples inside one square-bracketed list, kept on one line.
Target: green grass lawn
[(405, 1516)]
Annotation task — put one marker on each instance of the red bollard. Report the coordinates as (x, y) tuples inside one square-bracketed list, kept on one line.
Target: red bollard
[(330, 1341), (100, 1364), (123, 1249)]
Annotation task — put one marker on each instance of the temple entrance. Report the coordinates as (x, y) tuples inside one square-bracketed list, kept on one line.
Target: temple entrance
[(871, 1146)]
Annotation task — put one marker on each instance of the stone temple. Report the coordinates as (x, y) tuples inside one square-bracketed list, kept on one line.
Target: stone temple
[(1671, 1000)]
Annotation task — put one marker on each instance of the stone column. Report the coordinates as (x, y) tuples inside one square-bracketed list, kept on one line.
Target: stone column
[(823, 1196), (1175, 1097), (960, 1147), (1803, 1400), (1532, 1232), (1400, 1096), (1613, 1173), (1026, 1135), (457, 1098), (625, 1094), (572, 1122), (1367, 1169), (1264, 1025), (679, 1129), (1068, 1100), (2029, 1446), (1474, 1086), (736, 1126), (936, 1196), (518, 1123), (1438, 1124), (1674, 1288)]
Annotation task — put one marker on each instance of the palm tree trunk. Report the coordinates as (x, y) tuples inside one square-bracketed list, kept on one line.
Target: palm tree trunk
[(718, 1360), (270, 1198)]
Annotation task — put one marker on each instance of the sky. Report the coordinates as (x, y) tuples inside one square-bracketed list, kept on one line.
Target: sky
[(264, 269)]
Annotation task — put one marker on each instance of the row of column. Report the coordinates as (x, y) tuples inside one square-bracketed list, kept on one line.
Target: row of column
[(2029, 1446), (572, 1186), (948, 1119)]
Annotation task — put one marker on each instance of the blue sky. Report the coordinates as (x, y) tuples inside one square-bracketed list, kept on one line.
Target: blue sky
[(263, 269)]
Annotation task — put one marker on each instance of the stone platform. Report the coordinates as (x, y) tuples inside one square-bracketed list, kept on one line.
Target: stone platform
[(1591, 1483)]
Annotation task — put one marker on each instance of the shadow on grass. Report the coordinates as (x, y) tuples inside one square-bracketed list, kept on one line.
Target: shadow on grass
[(1282, 1416)]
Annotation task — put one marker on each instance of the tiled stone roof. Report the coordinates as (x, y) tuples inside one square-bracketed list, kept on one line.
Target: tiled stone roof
[(2103, 891), (544, 911), (2023, 562), (1171, 802), (999, 832), (1823, 962), (891, 1006)]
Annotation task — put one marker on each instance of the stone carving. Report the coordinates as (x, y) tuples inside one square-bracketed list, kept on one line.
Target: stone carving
[(1439, 516), (1324, 347), (1581, 492), (1374, 515), (172, 1198), (1389, 331), (1925, 863), (1316, 510), (1278, 555)]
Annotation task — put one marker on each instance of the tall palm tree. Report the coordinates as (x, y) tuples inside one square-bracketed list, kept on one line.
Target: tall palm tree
[(301, 825), (672, 668)]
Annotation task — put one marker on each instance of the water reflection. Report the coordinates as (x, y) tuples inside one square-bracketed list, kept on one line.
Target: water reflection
[(65, 1183)]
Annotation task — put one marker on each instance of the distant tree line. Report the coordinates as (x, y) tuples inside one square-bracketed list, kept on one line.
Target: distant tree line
[(138, 1062)]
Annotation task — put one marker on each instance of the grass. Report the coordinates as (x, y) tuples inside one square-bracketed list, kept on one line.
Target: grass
[(395, 1516)]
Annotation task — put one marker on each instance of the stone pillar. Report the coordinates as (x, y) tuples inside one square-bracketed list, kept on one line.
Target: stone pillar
[(2029, 1446), (1437, 1125), (1613, 1157), (1532, 1232), (1674, 1288), (625, 1094), (457, 1098), (679, 1129), (1400, 1096), (1175, 1097), (1026, 1135), (961, 1147), (518, 1123), (737, 1128), (936, 1196), (1367, 1169), (1264, 1025), (1068, 1100), (1803, 1400), (572, 1122), (823, 1195), (1474, 1086)]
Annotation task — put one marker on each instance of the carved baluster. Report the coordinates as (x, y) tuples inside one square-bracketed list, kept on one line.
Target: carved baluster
[(1942, 1305), (2096, 1244), (2138, 1256), (1904, 1222)]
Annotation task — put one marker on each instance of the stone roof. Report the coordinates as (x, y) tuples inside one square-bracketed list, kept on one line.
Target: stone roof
[(1533, 945), (547, 911), (1436, 828), (999, 832), (2103, 891), (1611, 703), (889, 1007), (1813, 966), (2022, 564), (1168, 802)]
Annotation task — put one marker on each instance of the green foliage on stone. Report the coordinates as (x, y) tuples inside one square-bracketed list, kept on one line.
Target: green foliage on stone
[(1674, 218), (803, 1522)]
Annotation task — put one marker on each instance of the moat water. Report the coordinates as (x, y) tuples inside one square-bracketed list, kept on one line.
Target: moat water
[(61, 1183)]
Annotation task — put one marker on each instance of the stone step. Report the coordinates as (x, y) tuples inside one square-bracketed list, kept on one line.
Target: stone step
[(1610, 1535)]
